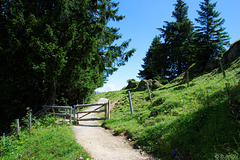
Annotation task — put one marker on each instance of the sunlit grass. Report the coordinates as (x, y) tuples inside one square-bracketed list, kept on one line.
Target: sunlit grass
[(196, 122), (47, 140)]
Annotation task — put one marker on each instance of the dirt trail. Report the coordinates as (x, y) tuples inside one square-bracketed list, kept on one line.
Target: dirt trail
[(101, 144)]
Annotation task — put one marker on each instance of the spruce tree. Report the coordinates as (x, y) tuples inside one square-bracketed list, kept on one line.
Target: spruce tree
[(178, 37), (165, 61), (211, 37), (149, 70)]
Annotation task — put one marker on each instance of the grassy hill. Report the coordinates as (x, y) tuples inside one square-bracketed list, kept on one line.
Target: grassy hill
[(197, 122)]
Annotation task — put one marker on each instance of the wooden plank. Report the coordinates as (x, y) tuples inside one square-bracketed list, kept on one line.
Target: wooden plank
[(91, 111), (88, 105), (63, 107), (59, 114), (91, 119)]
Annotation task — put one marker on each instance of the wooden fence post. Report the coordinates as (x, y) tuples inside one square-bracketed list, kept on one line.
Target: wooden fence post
[(187, 78), (130, 102), (149, 94), (3, 139), (17, 127), (70, 118), (224, 75), (30, 122), (108, 109), (74, 111), (227, 87)]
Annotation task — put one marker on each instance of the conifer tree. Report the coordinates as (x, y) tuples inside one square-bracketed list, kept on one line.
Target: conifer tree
[(210, 35), (53, 49), (149, 70), (172, 57), (178, 37), (64, 43)]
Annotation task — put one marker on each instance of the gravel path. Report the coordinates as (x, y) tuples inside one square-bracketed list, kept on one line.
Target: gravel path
[(101, 144)]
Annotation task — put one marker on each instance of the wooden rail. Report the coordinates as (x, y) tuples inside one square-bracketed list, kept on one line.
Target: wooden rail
[(67, 112), (59, 107), (62, 113), (96, 110)]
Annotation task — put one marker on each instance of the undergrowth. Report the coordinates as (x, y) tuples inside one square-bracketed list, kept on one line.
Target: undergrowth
[(196, 122), (47, 140)]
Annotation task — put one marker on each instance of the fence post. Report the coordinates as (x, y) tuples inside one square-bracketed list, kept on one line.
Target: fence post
[(149, 94), (44, 111), (74, 111), (108, 109), (30, 122), (224, 75), (227, 87), (187, 78), (66, 111), (17, 127), (3, 139), (130, 102), (70, 118)]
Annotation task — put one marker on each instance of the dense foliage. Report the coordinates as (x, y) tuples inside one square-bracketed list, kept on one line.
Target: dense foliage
[(56, 51), (180, 44)]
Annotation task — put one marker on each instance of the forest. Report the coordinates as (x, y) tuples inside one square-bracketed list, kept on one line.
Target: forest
[(55, 52)]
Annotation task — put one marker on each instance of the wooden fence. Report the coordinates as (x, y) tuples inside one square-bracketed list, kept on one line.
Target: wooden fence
[(65, 111), (81, 115)]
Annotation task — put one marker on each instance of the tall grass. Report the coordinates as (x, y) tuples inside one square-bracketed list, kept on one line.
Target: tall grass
[(196, 122), (47, 140)]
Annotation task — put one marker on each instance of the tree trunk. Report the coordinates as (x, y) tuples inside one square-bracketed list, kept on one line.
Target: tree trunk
[(51, 93)]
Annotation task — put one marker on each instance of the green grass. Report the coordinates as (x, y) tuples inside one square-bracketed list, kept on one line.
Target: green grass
[(199, 122), (47, 140)]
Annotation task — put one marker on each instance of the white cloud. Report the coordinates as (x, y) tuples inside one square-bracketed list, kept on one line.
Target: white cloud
[(107, 88)]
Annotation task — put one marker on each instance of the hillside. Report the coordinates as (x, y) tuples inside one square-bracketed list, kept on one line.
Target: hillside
[(196, 122)]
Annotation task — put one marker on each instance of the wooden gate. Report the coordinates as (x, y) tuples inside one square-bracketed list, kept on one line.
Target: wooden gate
[(65, 111), (96, 109)]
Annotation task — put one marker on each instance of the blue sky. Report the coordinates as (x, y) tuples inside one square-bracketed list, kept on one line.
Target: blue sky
[(142, 19)]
